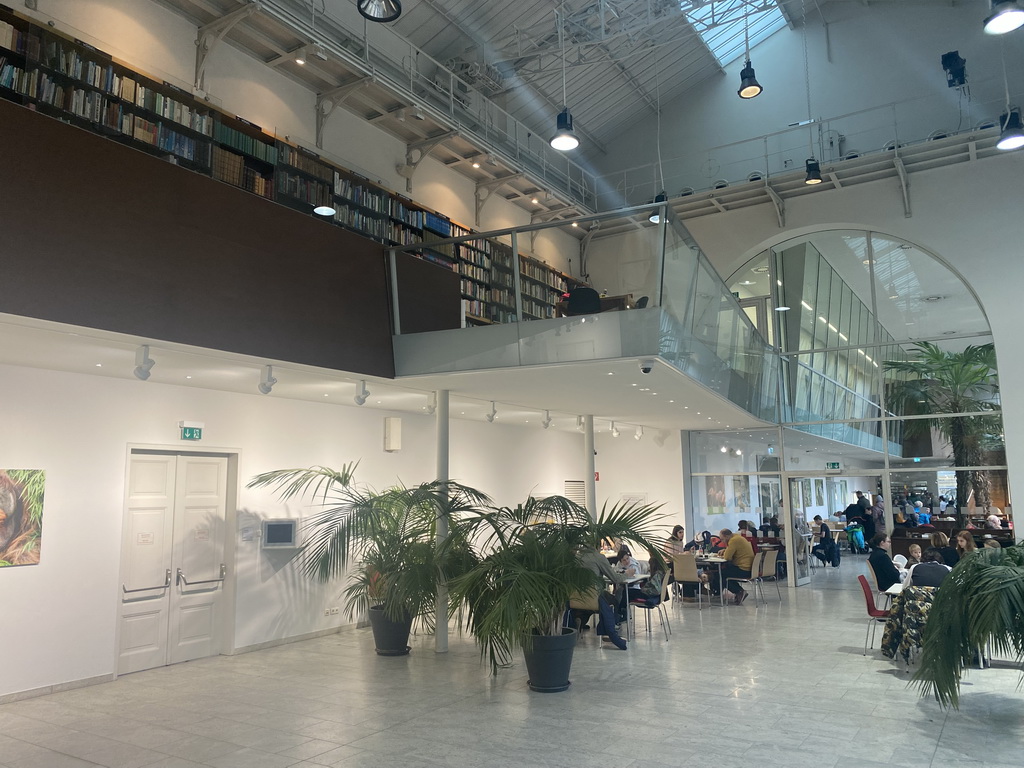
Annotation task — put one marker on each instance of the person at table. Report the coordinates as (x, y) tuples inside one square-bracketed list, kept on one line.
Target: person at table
[(992, 544), (748, 531), (676, 544), (629, 565), (880, 560), (606, 601), (965, 543), (993, 522), (825, 549), (772, 525), (739, 557), (914, 554), (940, 541), (929, 572)]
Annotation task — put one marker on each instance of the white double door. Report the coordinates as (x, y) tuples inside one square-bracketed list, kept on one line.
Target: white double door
[(172, 562)]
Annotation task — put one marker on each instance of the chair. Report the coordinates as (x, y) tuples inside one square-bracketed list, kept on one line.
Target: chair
[(641, 303), (756, 572), (770, 570), (583, 301), (875, 614), (649, 606), (684, 569), (881, 592)]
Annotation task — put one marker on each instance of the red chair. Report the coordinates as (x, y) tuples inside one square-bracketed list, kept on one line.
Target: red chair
[(875, 614)]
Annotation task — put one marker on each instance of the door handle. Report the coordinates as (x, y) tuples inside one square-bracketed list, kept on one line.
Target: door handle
[(165, 585), (182, 580)]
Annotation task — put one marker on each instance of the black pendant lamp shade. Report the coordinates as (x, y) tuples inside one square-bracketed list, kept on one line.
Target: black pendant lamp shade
[(813, 172), (749, 87), (381, 11), (1012, 135), (655, 217)]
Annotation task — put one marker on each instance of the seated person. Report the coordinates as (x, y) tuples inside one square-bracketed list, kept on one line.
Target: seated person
[(607, 601), (886, 573), (629, 565), (650, 590), (929, 572), (824, 550), (940, 541), (994, 522), (676, 543), (701, 541), (749, 531), (913, 555), (740, 557), (992, 544)]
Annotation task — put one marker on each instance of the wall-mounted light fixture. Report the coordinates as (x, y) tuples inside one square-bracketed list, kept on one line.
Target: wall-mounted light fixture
[(143, 363), (362, 393), (547, 420), (615, 430), (493, 414), (267, 380)]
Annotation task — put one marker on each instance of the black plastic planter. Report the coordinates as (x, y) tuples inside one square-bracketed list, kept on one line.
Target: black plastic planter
[(390, 638), (548, 659)]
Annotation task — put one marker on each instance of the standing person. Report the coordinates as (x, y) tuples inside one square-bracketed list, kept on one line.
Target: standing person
[(886, 572), (878, 514), (965, 543), (862, 501), (739, 556), (940, 541)]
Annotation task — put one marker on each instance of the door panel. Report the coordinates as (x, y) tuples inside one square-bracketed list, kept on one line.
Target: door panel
[(199, 529), (146, 549)]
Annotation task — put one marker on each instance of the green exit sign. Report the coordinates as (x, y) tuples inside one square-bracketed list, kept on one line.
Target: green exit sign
[(191, 433), (832, 465)]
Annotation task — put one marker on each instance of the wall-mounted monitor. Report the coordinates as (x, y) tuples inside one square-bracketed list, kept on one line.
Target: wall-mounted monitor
[(280, 534)]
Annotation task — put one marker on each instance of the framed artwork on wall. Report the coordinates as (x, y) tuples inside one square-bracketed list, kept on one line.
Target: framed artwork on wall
[(21, 516)]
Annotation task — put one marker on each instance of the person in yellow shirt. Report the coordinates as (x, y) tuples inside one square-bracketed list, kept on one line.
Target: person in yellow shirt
[(740, 557)]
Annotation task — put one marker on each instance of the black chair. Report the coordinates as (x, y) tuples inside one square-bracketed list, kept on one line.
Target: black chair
[(583, 301), (641, 302)]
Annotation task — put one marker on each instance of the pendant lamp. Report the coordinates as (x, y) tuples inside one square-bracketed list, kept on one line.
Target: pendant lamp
[(381, 11)]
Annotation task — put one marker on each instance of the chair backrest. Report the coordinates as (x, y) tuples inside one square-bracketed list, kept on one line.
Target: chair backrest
[(585, 601), (874, 576), (684, 567), (768, 565), (583, 300), (757, 567), (869, 599), (641, 302)]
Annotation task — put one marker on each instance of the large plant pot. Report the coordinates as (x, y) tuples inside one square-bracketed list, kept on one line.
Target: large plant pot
[(548, 659), (390, 638)]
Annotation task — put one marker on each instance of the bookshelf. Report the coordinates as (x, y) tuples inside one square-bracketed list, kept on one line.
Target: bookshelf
[(72, 81)]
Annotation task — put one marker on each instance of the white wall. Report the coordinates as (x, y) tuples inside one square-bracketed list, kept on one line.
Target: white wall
[(880, 53), (79, 428)]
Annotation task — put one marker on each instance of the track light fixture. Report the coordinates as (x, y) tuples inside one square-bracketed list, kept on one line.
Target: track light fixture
[(267, 380), (547, 420), (143, 363), (300, 57), (655, 217), (381, 11), (813, 172), (639, 433), (431, 406), (1012, 135), (362, 393), (580, 424), (615, 430), (1007, 15), (493, 414)]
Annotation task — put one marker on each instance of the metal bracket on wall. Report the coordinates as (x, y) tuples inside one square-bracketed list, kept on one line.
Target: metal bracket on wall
[(210, 34), (484, 189), (423, 148), (901, 171), (328, 100), (778, 202)]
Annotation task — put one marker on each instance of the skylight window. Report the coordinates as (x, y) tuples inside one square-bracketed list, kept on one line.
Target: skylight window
[(720, 24)]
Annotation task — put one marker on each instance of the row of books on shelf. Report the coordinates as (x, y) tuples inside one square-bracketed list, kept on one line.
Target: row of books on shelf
[(356, 218), (542, 273), (305, 163), (244, 143), (475, 308), (13, 39), (229, 167), (536, 309), (300, 188), (474, 290), (411, 216), (397, 233), (372, 199), (475, 272), (473, 256)]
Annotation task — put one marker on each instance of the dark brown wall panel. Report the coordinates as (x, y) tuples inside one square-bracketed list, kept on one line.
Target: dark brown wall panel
[(96, 234), (429, 296)]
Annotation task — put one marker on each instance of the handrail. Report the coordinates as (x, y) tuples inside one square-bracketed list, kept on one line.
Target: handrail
[(165, 585), (183, 581)]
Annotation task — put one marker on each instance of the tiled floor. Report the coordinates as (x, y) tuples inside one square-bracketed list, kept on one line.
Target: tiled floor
[(740, 686)]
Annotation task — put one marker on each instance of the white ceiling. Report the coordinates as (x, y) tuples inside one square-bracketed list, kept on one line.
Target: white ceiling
[(661, 401)]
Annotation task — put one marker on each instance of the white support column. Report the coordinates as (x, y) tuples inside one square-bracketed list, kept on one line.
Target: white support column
[(441, 426), (590, 465)]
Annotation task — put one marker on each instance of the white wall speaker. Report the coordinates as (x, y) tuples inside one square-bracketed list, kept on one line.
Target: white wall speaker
[(392, 434)]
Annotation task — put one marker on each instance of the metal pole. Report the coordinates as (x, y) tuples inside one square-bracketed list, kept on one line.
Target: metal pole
[(441, 427), (590, 464)]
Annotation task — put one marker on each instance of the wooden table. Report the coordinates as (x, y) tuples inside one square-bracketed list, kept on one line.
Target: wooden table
[(717, 563)]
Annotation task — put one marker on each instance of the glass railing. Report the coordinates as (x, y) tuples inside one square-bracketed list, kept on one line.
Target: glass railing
[(515, 311)]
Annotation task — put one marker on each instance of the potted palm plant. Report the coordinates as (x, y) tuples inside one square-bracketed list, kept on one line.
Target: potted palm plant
[(980, 605), (528, 569), (390, 536)]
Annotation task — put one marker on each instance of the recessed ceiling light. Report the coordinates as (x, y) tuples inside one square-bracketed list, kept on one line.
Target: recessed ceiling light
[(634, 385), (611, 373), (575, 224), (378, 402), (934, 298), (671, 401), (746, 282), (99, 365), (645, 389), (866, 261), (534, 201), (188, 377), (326, 395), (782, 309), (686, 407), (476, 164)]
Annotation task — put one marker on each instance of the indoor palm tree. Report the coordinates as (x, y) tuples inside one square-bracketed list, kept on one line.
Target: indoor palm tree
[(529, 569), (391, 536), (980, 605), (939, 382)]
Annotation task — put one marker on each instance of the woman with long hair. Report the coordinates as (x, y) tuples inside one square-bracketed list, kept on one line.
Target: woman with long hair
[(965, 543)]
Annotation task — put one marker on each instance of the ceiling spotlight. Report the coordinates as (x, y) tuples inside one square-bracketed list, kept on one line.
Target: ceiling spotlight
[(300, 57), (724, 449), (580, 424), (493, 414), (813, 172), (655, 217), (362, 393), (324, 210), (749, 87), (417, 114), (639, 433), (267, 380), (432, 404), (1007, 15), (143, 363), (547, 420), (1012, 136), (534, 200), (575, 224), (615, 430), (564, 138), (492, 160), (320, 52), (476, 163), (381, 11)]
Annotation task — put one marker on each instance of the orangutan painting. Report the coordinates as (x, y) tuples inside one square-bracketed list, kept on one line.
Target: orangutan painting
[(21, 516)]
